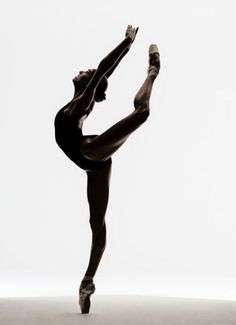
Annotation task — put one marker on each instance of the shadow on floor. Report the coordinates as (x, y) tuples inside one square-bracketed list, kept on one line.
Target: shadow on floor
[(117, 310)]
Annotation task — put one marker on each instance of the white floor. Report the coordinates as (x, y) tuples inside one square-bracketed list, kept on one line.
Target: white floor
[(117, 310)]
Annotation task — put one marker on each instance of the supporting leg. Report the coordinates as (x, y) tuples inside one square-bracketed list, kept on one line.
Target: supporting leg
[(97, 192), (97, 250)]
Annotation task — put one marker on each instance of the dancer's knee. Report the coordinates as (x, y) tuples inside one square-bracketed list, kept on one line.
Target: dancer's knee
[(141, 107), (143, 112), (140, 102), (99, 234), (97, 222)]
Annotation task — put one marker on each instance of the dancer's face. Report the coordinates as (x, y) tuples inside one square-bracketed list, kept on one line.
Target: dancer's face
[(83, 76), (82, 79)]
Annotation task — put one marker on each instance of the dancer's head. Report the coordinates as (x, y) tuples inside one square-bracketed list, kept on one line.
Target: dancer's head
[(82, 79)]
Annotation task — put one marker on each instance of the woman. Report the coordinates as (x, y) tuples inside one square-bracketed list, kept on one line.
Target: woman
[(93, 153)]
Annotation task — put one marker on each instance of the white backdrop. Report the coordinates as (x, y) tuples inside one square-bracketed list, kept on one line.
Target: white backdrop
[(171, 216)]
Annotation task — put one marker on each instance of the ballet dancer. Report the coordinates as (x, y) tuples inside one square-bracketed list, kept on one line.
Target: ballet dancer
[(92, 153)]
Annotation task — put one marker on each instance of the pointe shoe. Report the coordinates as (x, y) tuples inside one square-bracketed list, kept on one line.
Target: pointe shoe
[(154, 59), (85, 291)]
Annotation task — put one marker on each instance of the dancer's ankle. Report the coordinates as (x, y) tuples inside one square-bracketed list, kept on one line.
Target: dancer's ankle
[(87, 278), (153, 71)]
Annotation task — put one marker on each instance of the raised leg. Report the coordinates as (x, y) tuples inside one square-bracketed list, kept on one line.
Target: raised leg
[(103, 146)]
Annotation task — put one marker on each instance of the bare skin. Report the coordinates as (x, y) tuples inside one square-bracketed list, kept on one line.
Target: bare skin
[(103, 146)]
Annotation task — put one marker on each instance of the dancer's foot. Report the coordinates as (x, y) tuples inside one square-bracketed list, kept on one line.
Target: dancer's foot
[(87, 288), (154, 60)]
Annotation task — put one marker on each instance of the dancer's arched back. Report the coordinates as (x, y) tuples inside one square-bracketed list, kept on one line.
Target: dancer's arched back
[(93, 152)]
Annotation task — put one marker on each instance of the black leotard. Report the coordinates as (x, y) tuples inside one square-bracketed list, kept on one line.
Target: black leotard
[(68, 137)]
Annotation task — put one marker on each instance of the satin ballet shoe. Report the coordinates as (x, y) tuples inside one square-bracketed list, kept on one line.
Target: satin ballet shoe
[(154, 59), (87, 288)]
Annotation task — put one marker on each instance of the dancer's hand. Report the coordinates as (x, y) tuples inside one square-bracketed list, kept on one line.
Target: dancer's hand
[(131, 32)]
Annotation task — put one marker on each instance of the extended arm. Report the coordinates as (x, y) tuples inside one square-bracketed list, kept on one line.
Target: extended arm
[(129, 31), (112, 69), (108, 64)]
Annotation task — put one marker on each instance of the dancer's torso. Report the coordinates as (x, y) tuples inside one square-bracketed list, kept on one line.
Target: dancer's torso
[(68, 135), (67, 127)]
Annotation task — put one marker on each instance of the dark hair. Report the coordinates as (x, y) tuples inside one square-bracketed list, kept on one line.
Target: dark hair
[(100, 93), (101, 87)]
